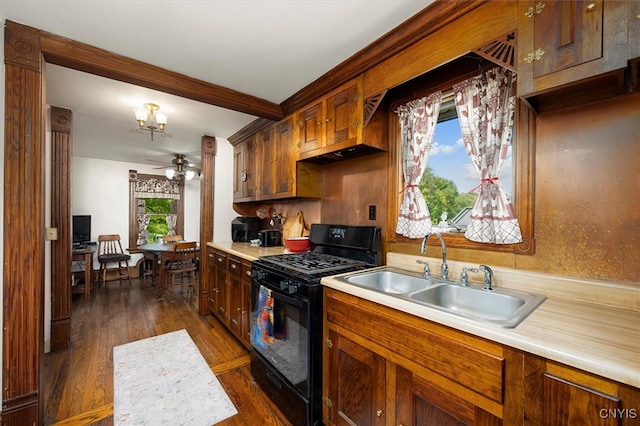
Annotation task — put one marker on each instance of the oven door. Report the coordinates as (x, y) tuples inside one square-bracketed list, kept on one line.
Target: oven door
[(280, 332)]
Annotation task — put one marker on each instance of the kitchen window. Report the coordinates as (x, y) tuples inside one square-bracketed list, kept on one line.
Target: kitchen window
[(520, 184)]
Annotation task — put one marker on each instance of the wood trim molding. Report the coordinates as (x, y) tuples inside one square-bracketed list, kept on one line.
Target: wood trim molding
[(72, 54), (23, 242), (61, 153), (207, 192), (429, 20)]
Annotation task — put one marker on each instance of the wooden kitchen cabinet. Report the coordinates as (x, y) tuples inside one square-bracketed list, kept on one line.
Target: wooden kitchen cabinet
[(382, 366), (561, 42), (234, 287), (230, 292), (245, 329), (217, 283), (245, 177), (332, 123), (559, 395), (357, 388), (281, 175)]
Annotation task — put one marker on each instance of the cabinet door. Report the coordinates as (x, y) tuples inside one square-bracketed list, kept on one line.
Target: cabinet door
[(211, 280), (250, 167), (343, 116), (266, 141), (246, 304), (284, 161), (239, 172), (310, 123), (561, 42), (220, 297), (356, 383), (558, 395), (420, 402), (235, 296)]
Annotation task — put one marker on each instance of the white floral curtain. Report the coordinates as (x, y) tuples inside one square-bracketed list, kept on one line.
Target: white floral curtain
[(143, 223), (486, 107), (156, 188), (172, 219), (417, 124)]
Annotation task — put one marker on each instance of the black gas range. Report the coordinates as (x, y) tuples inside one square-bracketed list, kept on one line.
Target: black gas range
[(286, 329)]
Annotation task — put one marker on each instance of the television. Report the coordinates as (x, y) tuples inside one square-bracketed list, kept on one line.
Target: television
[(81, 229)]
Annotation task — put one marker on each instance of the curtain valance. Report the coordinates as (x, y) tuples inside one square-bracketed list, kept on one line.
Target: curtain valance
[(156, 188)]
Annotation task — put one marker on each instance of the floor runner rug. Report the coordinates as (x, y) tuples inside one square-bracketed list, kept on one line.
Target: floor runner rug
[(164, 380)]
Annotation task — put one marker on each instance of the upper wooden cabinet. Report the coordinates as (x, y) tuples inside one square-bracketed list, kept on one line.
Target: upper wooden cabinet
[(245, 178), (265, 166), (563, 42), (334, 125)]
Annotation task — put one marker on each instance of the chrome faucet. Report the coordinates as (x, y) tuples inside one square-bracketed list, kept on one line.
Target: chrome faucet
[(488, 273), (444, 268), (464, 276)]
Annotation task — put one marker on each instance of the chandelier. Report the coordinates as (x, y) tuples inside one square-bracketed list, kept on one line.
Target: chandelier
[(182, 168), (150, 120)]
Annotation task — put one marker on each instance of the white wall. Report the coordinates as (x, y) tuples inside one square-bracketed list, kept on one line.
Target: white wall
[(223, 192)]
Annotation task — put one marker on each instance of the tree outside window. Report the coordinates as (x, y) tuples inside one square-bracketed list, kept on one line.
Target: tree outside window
[(157, 209)]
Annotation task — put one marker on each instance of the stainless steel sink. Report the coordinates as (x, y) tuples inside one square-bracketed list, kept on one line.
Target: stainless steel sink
[(388, 281), (501, 307)]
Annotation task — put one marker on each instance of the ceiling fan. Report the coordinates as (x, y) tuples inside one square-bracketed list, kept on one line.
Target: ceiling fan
[(180, 167)]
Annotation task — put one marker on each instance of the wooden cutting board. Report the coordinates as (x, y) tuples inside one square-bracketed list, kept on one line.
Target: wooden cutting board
[(293, 226)]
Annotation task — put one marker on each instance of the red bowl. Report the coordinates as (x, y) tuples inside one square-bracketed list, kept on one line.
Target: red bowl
[(297, 244)]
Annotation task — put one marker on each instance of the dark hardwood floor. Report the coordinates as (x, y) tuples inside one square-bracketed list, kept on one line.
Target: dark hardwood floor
[(78, 382)]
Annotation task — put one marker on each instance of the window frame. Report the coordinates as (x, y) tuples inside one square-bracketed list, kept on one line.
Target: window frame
[(523, 152)]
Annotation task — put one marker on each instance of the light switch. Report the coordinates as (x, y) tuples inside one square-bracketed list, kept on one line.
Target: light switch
[(51, 234)]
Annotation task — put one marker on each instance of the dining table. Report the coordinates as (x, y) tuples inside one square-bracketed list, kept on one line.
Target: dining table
[(158, 253)]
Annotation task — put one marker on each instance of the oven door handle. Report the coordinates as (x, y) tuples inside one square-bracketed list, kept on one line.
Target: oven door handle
[(276, 294), (288, 299)]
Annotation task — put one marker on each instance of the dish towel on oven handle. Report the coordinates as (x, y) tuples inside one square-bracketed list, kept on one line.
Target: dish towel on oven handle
[(269, 319)]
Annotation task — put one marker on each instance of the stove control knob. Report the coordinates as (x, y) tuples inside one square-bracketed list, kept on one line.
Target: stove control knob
[(293, 288)]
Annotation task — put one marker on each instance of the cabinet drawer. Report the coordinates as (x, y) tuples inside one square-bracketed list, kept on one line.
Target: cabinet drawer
[(235, 266), (472, 362)]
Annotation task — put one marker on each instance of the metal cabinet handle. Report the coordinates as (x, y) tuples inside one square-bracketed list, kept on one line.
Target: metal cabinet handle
[(233, 266), (591, 7), (379, 413), (534, 55), (248, 273)]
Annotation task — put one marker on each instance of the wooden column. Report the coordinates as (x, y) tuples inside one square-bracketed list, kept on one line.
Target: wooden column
[(23, 245), (207, 190), (61, 155)]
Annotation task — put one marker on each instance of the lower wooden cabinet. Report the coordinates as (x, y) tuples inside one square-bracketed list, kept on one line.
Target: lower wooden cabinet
[(386, 367), (230, 292), (382, 366), (356, 392), (559, 395)]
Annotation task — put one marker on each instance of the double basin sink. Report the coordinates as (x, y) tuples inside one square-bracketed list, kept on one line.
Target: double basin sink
[(501, 307)]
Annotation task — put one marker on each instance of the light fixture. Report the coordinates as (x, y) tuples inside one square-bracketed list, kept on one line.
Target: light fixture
[(181, 169), (150, 120)]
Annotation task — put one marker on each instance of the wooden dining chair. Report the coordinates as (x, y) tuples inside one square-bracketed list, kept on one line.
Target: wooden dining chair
[(180, 270), (110, 251), (172, 238)]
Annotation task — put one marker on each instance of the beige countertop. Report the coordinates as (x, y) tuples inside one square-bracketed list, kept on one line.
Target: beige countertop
[(245, 251), (590, 325)]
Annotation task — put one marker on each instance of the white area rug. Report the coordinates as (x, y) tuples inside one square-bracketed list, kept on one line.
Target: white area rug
[(164, 380)]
